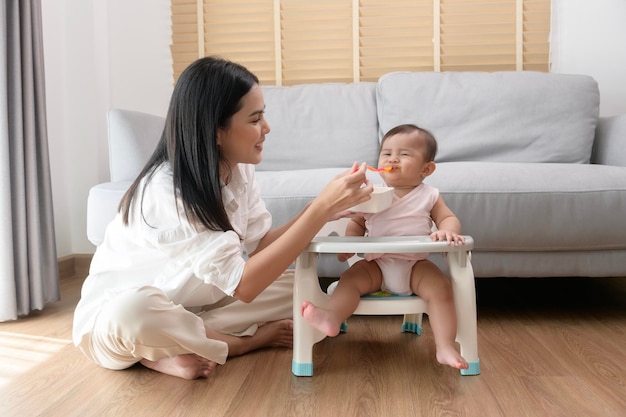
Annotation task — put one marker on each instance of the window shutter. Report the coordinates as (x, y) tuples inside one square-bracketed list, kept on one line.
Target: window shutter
[(287, 42), (536, 42), (185, 46), (395, 36), (242, 31), (316, 41), (478, 35)]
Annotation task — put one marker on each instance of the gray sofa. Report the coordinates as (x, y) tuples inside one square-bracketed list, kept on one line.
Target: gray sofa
[(534, 174)]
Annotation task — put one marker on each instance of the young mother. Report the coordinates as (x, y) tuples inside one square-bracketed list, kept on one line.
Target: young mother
[(170, 286)]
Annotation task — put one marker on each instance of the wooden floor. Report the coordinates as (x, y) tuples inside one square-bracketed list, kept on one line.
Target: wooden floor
[(548, 347)]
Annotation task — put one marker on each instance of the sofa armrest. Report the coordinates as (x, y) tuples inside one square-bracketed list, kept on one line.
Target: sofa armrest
[(102, 203), (609, 146)]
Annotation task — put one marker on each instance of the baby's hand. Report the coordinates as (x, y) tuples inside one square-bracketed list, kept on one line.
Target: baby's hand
[(448, 236), (342, 257)]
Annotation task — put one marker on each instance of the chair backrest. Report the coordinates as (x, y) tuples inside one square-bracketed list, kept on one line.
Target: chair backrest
[(132, 138)]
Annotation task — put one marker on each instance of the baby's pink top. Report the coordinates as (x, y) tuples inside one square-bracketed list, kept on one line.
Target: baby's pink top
[(407, 216)]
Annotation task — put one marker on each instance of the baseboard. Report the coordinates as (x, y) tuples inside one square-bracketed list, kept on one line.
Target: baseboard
[(76, 264)]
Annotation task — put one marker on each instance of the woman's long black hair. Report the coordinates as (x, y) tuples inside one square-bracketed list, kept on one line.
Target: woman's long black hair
[(208, 93)]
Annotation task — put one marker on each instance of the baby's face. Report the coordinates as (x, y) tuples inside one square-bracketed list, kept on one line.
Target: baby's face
[(405, 153)]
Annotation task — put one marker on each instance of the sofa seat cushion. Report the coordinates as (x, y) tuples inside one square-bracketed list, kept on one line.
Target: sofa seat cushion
[(536, 207), (502, 116)]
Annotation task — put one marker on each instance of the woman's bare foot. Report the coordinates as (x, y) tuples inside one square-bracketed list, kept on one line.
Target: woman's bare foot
[(448, 355), (275, 334), (187, 366), (322, 320), (271, 334)]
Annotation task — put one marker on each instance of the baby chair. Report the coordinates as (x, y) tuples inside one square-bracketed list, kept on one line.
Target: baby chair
[(330, 240)]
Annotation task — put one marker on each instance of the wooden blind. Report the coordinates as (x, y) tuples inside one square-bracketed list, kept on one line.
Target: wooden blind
[(287, 42), (395, 36)]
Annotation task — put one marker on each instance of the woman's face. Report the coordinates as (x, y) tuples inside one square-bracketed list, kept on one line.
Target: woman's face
[(242, 141)]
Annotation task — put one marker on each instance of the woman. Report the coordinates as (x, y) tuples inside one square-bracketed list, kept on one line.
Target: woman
[(170, 286)]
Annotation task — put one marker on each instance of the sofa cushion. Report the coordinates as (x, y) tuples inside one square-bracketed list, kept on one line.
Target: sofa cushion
[(285, 193), (320, 126), (501, 116), (609, 146), (538, 206)]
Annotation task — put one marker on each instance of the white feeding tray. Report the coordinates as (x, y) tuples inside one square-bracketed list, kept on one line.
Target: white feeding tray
[(381, 199)]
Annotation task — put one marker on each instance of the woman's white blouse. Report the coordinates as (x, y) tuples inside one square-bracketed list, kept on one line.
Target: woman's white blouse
[(194, 266)]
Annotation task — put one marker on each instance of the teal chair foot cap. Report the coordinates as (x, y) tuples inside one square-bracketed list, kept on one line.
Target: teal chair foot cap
[(474, 368), (343, 328), (302, 369), (412, 328)]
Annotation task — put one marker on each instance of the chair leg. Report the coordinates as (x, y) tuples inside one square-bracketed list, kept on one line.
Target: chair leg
[(412, 323), (465, 302), (305, 335)]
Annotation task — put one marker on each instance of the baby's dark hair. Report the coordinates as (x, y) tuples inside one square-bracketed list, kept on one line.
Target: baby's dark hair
[(431, 142)]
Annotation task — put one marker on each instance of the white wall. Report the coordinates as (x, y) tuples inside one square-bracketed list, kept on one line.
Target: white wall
[(98, 54), (115, 53), (589, 37)]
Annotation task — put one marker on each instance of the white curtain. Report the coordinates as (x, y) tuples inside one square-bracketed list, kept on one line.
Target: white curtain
[(29, 277)]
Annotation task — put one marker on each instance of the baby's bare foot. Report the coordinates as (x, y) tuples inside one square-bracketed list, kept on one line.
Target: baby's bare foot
[(188, 366), (448, 355), (322, 320)]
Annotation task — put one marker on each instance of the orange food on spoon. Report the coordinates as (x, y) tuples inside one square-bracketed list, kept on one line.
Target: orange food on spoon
[(384, 169)]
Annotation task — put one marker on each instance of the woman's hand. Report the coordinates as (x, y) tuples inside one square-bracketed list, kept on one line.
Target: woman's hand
[(344, 191)]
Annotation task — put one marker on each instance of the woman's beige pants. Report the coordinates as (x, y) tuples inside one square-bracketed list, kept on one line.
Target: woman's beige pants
[(144, 323)]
